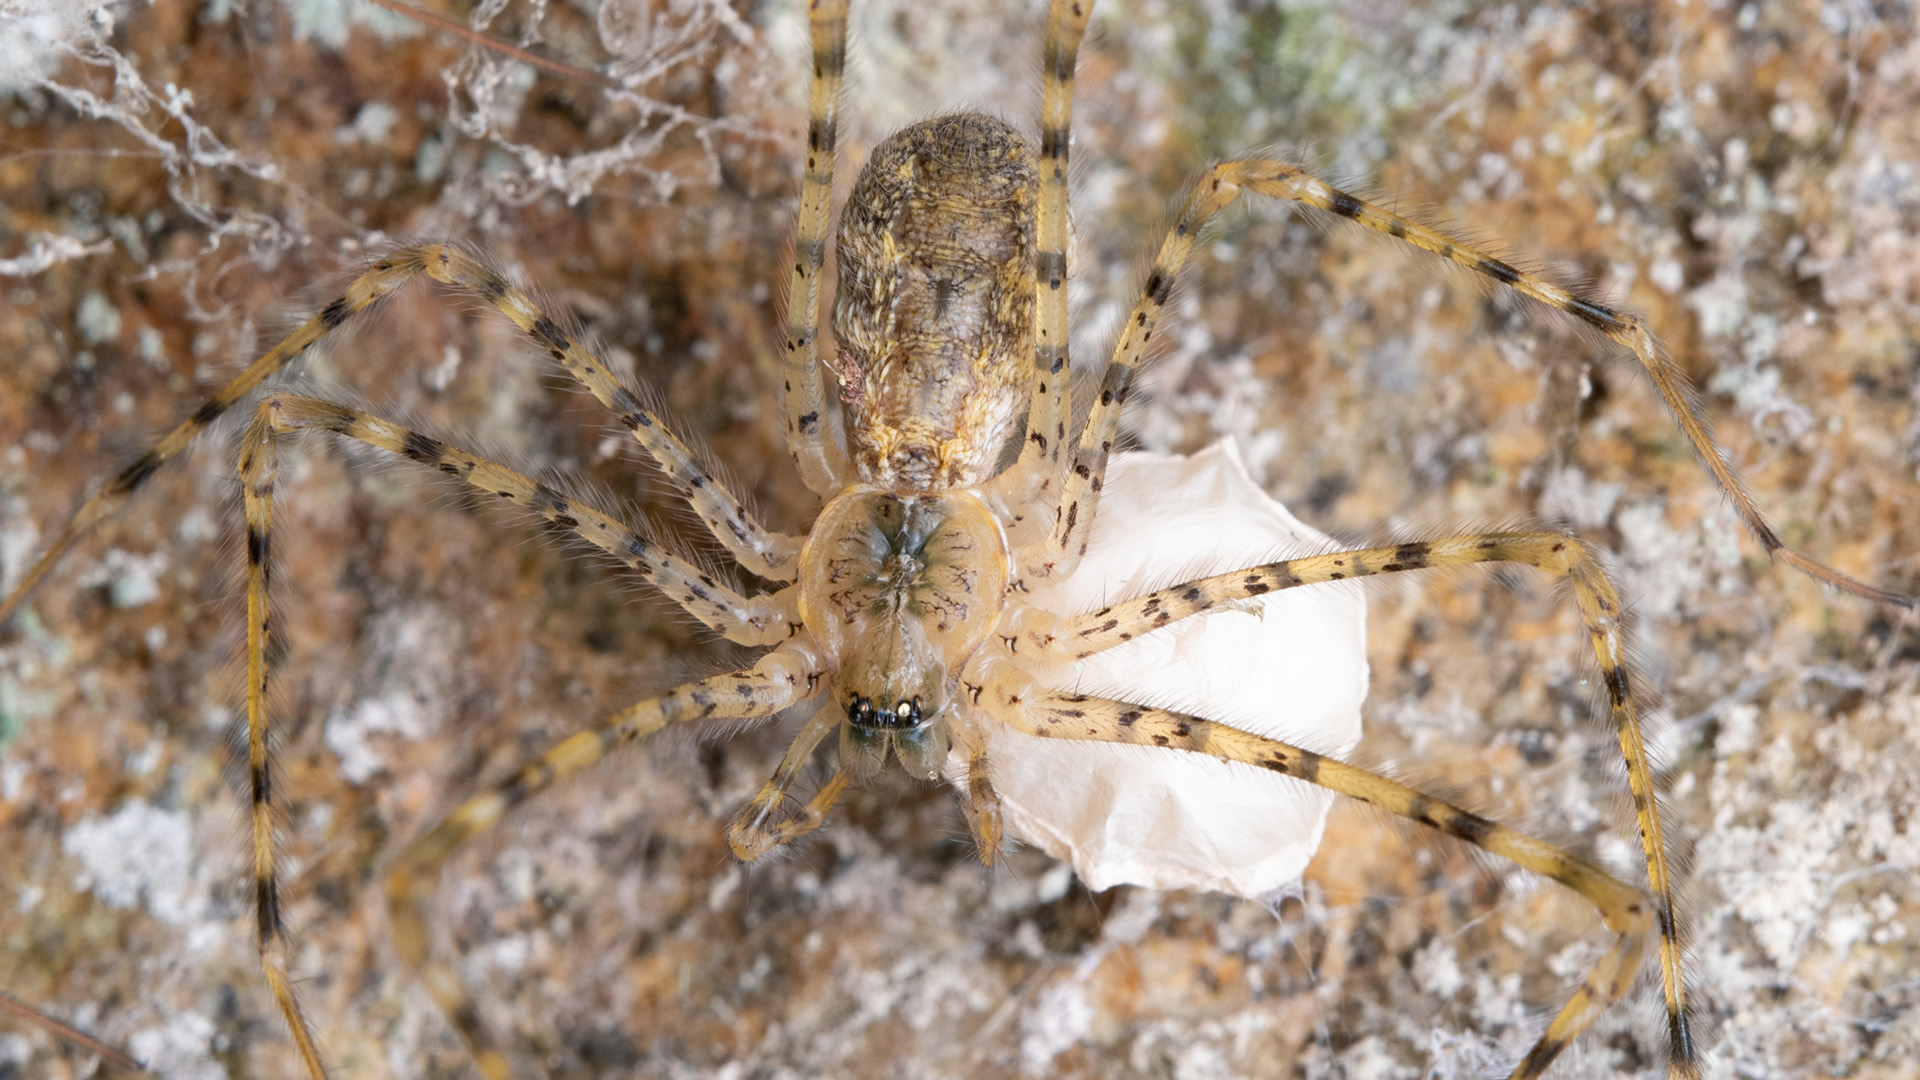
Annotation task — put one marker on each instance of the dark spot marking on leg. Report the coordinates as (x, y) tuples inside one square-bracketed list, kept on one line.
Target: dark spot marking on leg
[(209, 412), (1309, 767), (466, 1017), (266, 906), (1498, 270), (1345, 205), (256, 546), (136, 474), (1616, 680), (420, 448), (548, 332), (1597, 315), (335, 313), (1050, 268), (1397, 229), (1412, 556), (1158, 285), (1472, 828)]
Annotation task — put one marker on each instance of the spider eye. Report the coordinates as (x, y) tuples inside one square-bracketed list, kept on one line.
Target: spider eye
[(907, 711), (860, 709)]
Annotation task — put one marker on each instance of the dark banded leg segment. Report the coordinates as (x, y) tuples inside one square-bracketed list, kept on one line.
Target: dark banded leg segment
[(822, 462), (1041, 456), (1555, 553), (773, 556), (767, 619), (368, 289), (1625, 910), (787, 675), (1224, 183), (770, 555), (258, 465)]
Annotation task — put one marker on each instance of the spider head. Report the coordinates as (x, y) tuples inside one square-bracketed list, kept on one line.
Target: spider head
[(900, 590), (894, 697)]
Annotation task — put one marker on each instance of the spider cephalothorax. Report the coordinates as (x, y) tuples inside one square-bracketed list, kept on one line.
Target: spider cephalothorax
[(902, 590)]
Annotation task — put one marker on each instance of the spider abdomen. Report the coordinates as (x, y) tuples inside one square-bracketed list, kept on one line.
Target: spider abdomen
[(934, 314)]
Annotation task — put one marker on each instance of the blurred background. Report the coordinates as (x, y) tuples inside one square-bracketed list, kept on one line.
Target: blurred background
[(183, 181)]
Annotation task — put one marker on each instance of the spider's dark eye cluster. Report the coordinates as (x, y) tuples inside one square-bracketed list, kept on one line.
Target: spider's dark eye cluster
[(905, 713)]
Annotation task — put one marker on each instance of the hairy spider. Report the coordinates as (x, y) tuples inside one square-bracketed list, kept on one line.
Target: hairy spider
[(323, 558)]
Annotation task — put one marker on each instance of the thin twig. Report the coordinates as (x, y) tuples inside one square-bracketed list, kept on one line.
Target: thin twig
[(72, 1034), (475, 37)]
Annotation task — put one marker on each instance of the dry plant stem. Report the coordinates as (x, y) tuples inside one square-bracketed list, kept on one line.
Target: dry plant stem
[(512, 52), (74, 1035)]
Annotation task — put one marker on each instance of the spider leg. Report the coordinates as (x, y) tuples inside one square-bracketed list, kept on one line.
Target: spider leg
[(1625, 910), (770, 555), (279, 415), (1555, 553), (1041, 460), (1221, 186), (773, 556), (810, 818), (982, 804), (822, 462), (787, 675), (754, 831), (767, 619)]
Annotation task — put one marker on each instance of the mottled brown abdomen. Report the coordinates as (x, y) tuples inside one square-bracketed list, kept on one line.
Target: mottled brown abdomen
[(934, 315)]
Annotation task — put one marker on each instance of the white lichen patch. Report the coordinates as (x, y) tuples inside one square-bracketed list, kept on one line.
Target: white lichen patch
[(131, 579), (181, 1049), (1061, 1018), (140, 856), (353, 733)]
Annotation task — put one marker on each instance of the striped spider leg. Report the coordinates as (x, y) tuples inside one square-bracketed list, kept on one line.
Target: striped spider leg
[(779, 680)]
